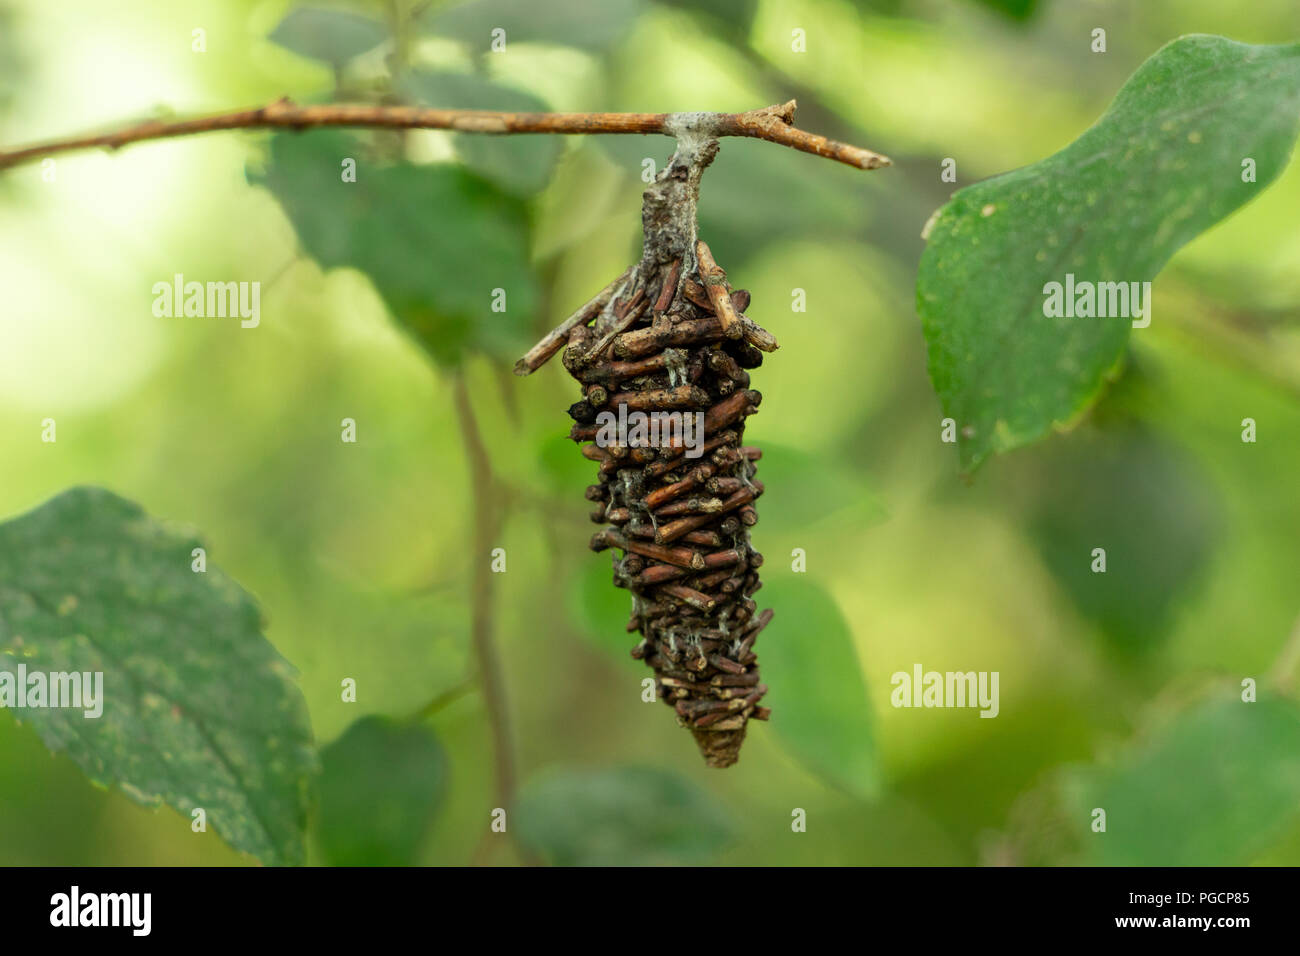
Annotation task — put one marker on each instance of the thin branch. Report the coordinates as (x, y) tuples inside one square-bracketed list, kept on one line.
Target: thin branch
[(558, 337), (623, 324), (486, 497), (773, 123), (489, 497)]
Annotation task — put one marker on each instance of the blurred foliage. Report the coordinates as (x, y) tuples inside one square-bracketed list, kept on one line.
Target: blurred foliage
[(599, 607), (1015, 9), (358, 552), (1132, 492), (334, 36), (1211, 782), (804, 491), (566, 22), (382, 785), (1213, 788), (620, 816), (11, 58), (443, 215), (734, 16), (518, 164), (812, 667)]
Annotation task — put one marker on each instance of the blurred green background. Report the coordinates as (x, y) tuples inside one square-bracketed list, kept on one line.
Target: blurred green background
[(362, 555)]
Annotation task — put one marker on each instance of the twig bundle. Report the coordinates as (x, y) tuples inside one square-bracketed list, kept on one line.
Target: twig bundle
[(670, 338), (678, 525)]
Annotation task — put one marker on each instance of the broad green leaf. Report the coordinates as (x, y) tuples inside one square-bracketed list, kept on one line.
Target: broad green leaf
[(1163, 165), (622, 816), (382, 784), (435, 240), (521, 165), (821, 712), (334, 36), (198, 708), (577, 23), (1211, 788)]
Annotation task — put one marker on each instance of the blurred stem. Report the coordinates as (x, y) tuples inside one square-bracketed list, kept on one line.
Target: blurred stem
[(489, 508), (1282, 675), (399, 25), (1257, 354), (420, 9), (447, 697), (280, 273)]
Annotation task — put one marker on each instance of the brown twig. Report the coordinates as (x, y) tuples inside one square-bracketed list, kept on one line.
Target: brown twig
[(715, 287), (624, 323), (773, 123), (558, 337)]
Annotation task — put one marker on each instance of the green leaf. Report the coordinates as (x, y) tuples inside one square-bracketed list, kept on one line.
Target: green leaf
[(198, 708), (821, 712), (576, 23), (624, 816), (1163, 165), (382, 784), (334, 36), (521, 165), (1212, 788), (435, 240)]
